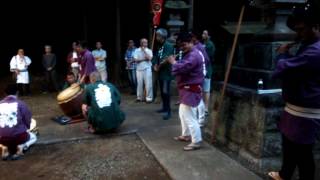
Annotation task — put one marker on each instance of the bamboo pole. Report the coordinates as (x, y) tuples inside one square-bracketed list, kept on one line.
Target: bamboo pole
[(153, 37), (215, 120)]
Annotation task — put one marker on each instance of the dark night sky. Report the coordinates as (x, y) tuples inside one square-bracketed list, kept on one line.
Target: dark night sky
[(55, 23)]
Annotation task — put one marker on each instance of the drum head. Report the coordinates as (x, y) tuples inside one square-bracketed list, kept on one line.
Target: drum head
[(68, 93)]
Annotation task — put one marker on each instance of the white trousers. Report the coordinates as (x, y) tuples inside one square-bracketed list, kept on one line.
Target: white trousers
[(189, 123), (144, 77), (75, 71), (201, 112), (104, 75), (32, 140)]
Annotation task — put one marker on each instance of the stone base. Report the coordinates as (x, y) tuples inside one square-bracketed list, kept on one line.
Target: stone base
[(248, 127)]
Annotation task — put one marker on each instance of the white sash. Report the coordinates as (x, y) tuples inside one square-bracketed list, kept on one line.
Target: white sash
[(204, 63), (302, 111)]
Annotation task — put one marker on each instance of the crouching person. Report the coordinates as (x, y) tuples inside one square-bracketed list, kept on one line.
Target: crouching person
[(70, 79), (15, 120), (101, 105)]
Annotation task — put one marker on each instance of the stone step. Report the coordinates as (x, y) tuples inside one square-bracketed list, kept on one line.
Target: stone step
[(207, 163)]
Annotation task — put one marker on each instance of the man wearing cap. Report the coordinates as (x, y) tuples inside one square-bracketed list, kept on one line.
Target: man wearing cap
[(164, 69), (300, 75)]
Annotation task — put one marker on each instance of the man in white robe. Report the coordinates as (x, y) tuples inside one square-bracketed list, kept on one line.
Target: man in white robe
[(19, 66)]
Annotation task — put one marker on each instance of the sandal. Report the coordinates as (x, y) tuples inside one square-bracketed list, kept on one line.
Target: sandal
[(16, 157), (6, 158), (89, 130), (274, 175), (182, 138), (192, 147)]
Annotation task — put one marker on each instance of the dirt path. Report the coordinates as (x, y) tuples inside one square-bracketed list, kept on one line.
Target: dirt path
[(124, 157)]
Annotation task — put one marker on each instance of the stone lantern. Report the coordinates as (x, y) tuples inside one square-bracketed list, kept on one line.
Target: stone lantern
[(175, 9)]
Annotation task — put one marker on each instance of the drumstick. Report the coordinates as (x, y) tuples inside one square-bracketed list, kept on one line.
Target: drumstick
[(76, 120)]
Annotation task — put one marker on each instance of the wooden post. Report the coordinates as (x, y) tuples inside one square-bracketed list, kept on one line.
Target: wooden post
[(85, 26), (117, 61), (190, 18), (215, 120)]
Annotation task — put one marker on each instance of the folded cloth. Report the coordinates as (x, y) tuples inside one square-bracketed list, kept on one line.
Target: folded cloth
[(63, 120)]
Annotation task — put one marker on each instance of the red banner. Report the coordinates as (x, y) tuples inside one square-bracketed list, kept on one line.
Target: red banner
[(156, 6)]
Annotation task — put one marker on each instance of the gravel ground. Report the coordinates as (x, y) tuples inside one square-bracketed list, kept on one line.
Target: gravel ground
[(123, 157)]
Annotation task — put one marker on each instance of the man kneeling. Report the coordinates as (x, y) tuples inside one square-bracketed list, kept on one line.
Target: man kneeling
[(15, 120), (101, 105)]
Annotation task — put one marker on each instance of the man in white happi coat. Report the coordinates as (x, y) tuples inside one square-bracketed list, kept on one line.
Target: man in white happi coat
[(19, 66)]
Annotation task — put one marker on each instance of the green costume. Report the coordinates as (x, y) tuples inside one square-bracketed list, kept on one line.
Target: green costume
[(164, 51), (210, 49), (104, 100)]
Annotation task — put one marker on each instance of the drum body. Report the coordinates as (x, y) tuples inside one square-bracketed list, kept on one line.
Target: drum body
[(70, 101)]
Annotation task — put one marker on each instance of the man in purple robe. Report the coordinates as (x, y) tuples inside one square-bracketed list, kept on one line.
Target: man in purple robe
[(189, 75), (300, 75), (87, 61), (202, 108), (15, 119)]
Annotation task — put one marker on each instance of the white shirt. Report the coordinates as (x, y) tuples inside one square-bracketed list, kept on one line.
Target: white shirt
[(140, 55), (100, 65), (21, 64)]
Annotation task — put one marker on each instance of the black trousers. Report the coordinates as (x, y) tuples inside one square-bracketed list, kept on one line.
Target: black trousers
[(155, 82), (23, 89), (51, 81), (165, 94), (132, 74), (297, 155)]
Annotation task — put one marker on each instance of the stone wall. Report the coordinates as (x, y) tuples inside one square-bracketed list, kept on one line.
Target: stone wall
[(248, 126)]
